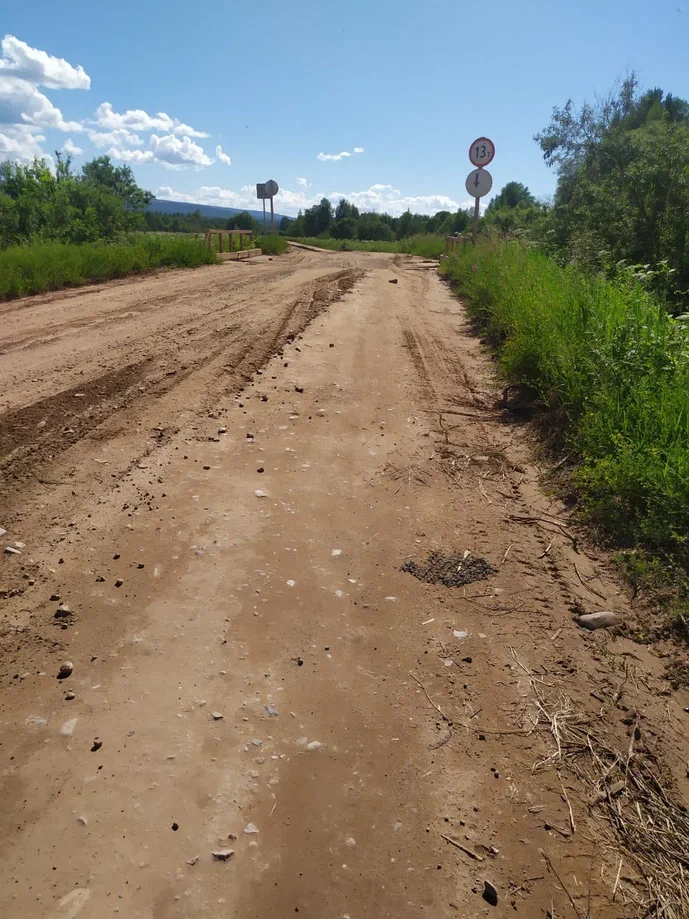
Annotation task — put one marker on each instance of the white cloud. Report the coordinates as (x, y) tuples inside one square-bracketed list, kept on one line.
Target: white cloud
[(22, 103), (23, 62), (70, 148), (20, 142), (304, 183), (118, 138), (138, 120), (223, 157), (381, 198), (170, 151), (131, 156), (25, 111), (175, 153), (335, 157)]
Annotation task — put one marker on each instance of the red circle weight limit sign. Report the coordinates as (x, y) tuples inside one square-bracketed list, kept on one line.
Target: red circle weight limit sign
[(482, 151)]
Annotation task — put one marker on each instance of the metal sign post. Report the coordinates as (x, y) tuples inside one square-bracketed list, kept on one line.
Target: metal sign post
[(479, 182), (267, 190)]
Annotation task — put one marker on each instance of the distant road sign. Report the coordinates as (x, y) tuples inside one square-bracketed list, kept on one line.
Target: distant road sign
[(261, 192), (271, 188), (482, 151), (479, 182)]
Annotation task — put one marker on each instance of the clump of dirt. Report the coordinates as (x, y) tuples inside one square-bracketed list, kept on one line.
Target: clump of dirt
[(450, 570)]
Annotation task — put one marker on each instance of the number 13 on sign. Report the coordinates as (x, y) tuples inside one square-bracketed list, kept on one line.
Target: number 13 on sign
[(482, 151)]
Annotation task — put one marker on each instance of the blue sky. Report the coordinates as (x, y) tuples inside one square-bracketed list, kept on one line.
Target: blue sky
[(252, 91)]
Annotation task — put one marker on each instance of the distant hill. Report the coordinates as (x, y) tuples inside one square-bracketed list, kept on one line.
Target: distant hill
[(161, 206)]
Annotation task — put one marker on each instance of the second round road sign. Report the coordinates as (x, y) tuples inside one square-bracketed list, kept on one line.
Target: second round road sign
[(479, 183), (482, 151)]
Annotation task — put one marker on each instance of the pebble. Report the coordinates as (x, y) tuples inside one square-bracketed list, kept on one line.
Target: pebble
[(10, 550), (459, 633), (67, 728), (97, 744), (119, 582), (217, 716), (3, 531), (63, 611), (220, 855), (55, 598), (192, 861), (82, 820), (250, 829), (593, 621), (70, 695), (336, 552), (260, 493), (490, 893), (272, 712), (65, 670)]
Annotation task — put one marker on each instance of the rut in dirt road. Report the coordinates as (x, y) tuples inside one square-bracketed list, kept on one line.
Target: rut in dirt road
[(268, 713)]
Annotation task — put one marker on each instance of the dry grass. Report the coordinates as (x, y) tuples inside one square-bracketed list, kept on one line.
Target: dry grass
[(649, 821)]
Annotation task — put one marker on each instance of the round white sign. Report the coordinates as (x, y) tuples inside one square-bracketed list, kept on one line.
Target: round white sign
[(482, 151), (479, 183)]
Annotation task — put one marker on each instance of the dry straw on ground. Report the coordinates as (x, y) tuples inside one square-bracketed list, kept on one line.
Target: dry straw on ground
[(649, 820)]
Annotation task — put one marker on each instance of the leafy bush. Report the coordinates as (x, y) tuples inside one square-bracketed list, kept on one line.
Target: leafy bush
[(52, 265), (614, 363), (272, 245)]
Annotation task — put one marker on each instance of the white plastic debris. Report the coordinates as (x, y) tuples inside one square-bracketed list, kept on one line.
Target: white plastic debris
[(336, 552), (459, 633), (291, 583)]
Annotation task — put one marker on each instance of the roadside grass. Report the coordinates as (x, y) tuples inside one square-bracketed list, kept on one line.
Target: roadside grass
[(50, 266), (426, 245), (272, 245), (614, 365)]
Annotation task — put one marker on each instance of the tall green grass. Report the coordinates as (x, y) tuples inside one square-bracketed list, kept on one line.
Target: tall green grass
[(614, 364), (427, 245), (50, 266)]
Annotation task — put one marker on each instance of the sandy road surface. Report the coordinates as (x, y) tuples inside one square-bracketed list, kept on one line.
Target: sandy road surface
[(221, 474)]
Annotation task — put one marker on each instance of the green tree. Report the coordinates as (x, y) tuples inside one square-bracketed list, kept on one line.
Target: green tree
[(512, 195), (317, 219), (623, 186)]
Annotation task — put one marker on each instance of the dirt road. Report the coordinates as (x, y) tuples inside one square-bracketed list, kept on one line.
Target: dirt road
[(221, 474)]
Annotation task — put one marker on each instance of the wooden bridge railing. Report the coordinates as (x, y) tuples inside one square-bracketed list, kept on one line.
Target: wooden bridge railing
[(229, 233)]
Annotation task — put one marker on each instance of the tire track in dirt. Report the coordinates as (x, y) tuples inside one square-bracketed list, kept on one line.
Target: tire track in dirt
[(126, 414)]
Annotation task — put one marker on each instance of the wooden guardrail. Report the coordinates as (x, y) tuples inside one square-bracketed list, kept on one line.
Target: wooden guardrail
[(229, 233), (452, 243)]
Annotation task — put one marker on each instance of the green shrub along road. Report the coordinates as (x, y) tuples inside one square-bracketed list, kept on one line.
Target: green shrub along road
[(614, 364), (52, 265)]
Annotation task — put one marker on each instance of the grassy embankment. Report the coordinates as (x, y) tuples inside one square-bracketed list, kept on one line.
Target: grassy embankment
[(614, 365), (50, 266), (427, 245)]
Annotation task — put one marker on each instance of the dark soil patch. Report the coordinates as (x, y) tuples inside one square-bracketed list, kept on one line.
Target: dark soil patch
[(450, 570)]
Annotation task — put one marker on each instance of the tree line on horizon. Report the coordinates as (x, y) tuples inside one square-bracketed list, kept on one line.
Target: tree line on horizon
[(621, 201)]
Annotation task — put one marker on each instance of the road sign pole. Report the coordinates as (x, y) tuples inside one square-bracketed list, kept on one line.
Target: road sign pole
[(272, 216), (474, 229), (264, 215)]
